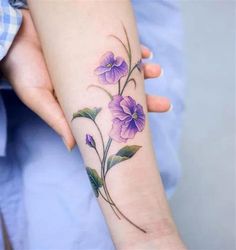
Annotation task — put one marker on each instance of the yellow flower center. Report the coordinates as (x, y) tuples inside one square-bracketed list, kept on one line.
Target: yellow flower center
[(135, 116), (109, 65)]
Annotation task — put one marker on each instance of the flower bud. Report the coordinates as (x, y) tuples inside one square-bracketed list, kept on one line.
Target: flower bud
[(90, 141)]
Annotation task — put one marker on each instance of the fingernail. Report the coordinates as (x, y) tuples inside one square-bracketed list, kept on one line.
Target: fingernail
[(64, 141), (162, 72), (151, 55), (145, 47), (170, 108)]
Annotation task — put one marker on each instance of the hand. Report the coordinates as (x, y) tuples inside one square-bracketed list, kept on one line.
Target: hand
[(154, 103), (25, 68)]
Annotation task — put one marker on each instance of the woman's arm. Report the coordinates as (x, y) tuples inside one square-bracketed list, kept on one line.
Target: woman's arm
[(93, 56)]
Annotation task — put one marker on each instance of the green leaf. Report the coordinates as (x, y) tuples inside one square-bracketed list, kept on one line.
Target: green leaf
[(95, 180), (122, 155), (115, 159), (90, 113), (128, 151)]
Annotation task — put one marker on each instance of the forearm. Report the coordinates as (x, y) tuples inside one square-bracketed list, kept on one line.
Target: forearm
[(75, 35)]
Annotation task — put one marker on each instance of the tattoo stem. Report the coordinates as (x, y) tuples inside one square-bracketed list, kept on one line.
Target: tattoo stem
[(102, 175), (118, 210), (127, 79), (103, 164), (100, 133), (107, 192), (119, 87), (102, 169), (128, 43), (98, 155), (104, 197)]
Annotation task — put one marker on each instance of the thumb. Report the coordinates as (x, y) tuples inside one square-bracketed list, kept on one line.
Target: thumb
[(43, 102)]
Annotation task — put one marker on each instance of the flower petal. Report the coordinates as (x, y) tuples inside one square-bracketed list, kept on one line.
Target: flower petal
[(118, 61), (123, 67), (107, 58), (115, 132), (116, 109), (116, 72), (129, 130), (128, 105), (128, 118), (101, 69), (111, 76), (140, 121), (140, 124), (102, 79)]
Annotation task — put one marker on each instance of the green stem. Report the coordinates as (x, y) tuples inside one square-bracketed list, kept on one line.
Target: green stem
[(119, 87), (118, 210), (103, 161), (103, 175), (105, 197), (109, 200), (107, 192), (100, 133), (127, 79), (100, 159), (129, 47), (129, 54), (102, 167), (125, 217), (106, 151), (118, 39)]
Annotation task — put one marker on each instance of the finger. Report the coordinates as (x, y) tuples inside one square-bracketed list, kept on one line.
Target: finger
[(29, 78), (146, 52), (5, 234), (42, 102), (158, 103), (39, 98), (152, 70)]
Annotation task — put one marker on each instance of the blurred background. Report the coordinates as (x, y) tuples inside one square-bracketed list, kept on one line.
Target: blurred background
[(204, 204)]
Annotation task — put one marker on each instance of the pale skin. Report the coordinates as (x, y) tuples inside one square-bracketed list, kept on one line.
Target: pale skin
[(25, 68), (71, 58)]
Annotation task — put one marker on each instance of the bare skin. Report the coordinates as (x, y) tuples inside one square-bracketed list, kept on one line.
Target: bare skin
[(135, 185), (25, 68)]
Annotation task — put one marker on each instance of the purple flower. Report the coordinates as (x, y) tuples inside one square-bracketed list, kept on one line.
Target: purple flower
[(128, 118), (111, 69), (90, 141)]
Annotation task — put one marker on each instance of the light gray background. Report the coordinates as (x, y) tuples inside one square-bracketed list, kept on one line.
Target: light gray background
[(204, 204)]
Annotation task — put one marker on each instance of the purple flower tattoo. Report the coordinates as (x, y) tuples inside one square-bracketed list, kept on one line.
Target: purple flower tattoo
[(111, 69), (128, 118), (90, 141)]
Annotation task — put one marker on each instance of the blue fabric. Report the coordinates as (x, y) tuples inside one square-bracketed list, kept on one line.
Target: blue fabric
[(45, 197), (18, 4), (3, 128), (10, 20), (160, 28)]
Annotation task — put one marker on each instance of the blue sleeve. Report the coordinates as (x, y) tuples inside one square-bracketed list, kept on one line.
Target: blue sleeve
[(10, 20)]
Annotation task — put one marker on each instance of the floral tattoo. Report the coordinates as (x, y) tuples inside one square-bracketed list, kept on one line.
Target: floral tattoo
[(128, 119)]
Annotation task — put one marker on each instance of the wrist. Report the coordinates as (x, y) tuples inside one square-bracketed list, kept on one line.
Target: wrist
[(162, 235), (169, 243)]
